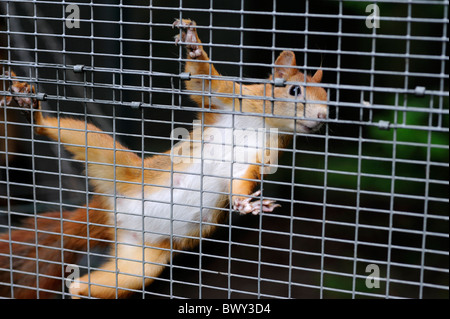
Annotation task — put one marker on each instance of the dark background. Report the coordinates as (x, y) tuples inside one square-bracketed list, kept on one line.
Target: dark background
[(379, 191)]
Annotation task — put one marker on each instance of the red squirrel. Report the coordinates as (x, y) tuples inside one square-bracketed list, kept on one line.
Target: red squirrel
[(146, 208)]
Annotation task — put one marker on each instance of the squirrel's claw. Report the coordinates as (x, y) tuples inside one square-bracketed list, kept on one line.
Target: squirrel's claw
[(25, 102), (184, 23), (189, 36), (246, 205)]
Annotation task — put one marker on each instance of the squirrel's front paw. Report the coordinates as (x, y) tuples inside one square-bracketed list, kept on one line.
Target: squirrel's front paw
[(189, 37), (245, 205), (25, 102)]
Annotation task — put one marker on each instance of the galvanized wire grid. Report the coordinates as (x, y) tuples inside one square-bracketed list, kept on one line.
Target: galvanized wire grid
[(370, 189)]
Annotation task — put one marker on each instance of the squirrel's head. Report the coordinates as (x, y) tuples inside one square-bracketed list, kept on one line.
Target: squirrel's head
[(297, 99)]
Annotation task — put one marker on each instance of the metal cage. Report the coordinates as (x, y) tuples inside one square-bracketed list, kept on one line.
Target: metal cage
[(364, 202)]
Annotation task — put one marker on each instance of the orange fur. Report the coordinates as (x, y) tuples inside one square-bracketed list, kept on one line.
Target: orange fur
[(24, 249), (126, 272), (113, 169)]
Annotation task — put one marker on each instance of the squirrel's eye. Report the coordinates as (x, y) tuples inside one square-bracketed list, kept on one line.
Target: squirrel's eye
[(295, 90)]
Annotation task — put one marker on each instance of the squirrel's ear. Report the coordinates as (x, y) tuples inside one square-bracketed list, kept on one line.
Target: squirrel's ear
[(284, 65), (317, 77)]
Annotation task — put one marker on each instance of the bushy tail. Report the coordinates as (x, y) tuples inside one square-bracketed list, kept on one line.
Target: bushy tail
[(37, 256)]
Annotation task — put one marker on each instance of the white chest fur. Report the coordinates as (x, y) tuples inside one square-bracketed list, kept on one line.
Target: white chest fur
[(194, 195)]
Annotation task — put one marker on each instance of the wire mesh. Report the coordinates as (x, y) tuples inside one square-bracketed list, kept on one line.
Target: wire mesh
[(364, 202)]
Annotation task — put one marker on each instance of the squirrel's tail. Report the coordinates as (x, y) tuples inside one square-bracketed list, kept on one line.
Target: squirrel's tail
[(33, 260)]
